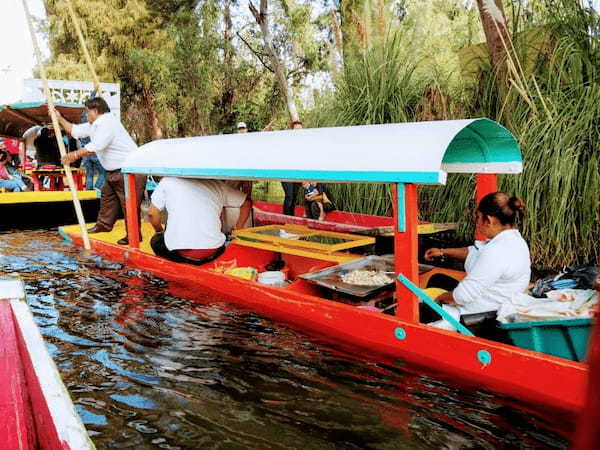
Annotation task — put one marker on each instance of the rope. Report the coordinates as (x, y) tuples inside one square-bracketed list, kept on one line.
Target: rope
[(86, 53), (56, 125)]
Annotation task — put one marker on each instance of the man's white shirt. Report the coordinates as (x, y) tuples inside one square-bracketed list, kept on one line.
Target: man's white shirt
[(109, 140), (194, 208)]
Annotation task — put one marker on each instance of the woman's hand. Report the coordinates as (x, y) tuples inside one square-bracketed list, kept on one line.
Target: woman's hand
[(434, 253)]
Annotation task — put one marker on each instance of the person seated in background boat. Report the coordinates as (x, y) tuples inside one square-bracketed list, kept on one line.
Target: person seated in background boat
[(12, 167), (30, 135), (193, 232), (496, 268), (47, 153), (12, 146), (7, 180), (317, 200)]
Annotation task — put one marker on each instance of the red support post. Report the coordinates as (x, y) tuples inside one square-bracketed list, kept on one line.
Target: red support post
[(406, 247), (486, 183), (133, 224), (588, 431)]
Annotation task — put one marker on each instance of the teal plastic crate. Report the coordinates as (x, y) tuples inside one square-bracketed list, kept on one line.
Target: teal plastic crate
[(563, 338)]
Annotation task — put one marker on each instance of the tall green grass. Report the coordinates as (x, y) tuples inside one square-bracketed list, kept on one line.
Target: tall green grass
[(560, 183), (559, 135), (376, 85)]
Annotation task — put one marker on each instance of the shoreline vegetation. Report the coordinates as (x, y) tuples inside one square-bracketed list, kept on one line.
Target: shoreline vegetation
[(198, 67)]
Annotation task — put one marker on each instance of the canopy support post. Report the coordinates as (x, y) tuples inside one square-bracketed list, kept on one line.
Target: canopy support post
[(131, 201), (406, 246), (486, 183)]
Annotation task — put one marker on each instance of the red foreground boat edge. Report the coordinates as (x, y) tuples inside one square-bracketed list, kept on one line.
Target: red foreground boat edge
[(588, 429), (539, 380), (36, 410)]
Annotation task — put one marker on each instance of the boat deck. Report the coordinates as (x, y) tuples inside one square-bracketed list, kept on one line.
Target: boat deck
[(113, 236)]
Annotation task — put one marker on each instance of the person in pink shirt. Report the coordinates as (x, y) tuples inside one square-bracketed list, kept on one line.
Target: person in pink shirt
[(8, 181)]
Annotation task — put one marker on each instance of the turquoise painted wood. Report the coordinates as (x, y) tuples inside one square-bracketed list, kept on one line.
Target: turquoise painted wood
[(433, 305)]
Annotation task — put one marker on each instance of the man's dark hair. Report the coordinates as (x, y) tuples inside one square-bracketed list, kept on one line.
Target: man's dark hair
[(97, 103)]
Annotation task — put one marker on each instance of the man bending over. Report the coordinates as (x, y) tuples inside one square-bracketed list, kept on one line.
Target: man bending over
[(194, 208)]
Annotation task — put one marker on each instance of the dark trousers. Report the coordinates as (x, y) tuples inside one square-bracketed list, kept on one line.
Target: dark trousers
[(160, 249), (112, 202), (291, 192)]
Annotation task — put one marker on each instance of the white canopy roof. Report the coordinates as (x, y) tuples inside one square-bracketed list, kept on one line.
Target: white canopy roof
[(421, 152)]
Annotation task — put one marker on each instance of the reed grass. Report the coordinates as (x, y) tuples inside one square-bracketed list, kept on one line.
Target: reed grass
[(561, 147)]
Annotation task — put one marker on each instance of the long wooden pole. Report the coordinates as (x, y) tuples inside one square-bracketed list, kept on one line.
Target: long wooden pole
[(59, 137), (86, 53)]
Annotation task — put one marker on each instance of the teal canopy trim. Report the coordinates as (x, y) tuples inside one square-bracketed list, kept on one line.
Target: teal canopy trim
[(299, 175), (483, 141)]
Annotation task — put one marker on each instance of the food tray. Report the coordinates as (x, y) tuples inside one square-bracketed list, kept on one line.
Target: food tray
[(330, 277)]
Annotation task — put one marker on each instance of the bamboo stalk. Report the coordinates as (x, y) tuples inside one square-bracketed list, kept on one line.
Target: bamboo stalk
[(86, 53), (59, 137)]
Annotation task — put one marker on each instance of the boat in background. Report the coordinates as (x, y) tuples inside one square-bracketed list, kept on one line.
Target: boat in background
[(49, 205), (36, 410), (407, 154)]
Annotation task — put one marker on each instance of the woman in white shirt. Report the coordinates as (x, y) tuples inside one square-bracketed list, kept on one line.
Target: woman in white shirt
[(496, 268)]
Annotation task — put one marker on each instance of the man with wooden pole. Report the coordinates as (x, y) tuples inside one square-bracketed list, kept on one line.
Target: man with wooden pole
[(53, 115), (112, 144)]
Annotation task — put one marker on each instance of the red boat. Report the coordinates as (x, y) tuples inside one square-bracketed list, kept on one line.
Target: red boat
[(403, 154), (35, 408)]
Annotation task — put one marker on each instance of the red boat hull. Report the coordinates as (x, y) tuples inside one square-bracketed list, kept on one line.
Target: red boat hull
[(35, 408), (541, 380)]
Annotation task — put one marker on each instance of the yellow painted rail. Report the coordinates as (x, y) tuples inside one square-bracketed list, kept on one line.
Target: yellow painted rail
[(7, 198)]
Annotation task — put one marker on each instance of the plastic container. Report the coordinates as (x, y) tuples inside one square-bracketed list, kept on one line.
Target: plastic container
[(563, 338), (272, 278)]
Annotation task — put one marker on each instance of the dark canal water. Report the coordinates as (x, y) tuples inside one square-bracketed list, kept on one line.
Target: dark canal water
[(147, 370)]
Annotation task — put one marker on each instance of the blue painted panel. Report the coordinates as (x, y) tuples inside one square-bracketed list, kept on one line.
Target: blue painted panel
[(401, 209)]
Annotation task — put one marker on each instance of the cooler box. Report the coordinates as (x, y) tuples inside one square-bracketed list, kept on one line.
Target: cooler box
[(563, 338)]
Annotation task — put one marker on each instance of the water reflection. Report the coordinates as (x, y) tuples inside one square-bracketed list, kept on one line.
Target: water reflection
[(147, 369)]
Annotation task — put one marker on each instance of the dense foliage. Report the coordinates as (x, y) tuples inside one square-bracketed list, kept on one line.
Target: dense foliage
[(190, 67)]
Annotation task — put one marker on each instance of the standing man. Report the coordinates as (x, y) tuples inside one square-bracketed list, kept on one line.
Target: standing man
[(112, 144), (291, 188)]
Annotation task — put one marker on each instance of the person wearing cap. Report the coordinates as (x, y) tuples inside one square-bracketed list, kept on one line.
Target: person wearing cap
[(242, 128), (112, 144), (231, 214)]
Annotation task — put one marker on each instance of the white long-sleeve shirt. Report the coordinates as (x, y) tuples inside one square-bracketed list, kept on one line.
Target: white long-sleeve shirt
[(496, 269), (109, 140)]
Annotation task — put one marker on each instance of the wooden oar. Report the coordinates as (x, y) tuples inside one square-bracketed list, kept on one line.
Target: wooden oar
[(59, 137)]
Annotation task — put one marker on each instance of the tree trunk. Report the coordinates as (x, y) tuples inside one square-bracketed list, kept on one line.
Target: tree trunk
[(153, 122), (496, 34), (352, 29), (227, 96), (262, 18)]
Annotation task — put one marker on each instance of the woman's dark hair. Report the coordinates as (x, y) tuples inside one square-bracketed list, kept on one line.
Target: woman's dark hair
[(3, 155), (296, 122), (97, 103), (506, 209)]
